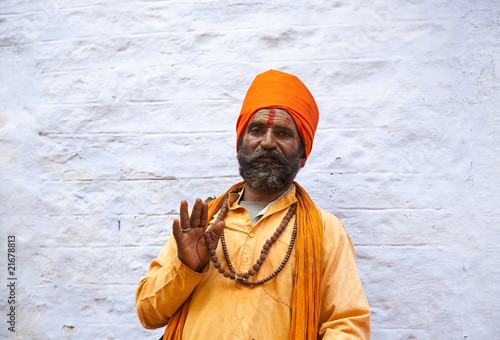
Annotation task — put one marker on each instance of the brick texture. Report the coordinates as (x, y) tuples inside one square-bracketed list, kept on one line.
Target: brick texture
[(111, 112)]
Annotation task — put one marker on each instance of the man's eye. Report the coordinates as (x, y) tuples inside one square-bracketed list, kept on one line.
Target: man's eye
[(284, 134), (255, 130)]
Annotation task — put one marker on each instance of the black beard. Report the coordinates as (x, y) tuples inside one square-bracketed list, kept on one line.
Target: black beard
[(268, 177)]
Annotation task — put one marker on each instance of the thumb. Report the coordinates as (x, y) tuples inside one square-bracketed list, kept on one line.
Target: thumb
[(216, 232)]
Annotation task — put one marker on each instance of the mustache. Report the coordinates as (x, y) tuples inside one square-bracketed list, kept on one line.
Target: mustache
[(266, 153)]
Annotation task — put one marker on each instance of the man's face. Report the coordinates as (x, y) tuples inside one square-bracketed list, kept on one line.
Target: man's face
[(270, 153)]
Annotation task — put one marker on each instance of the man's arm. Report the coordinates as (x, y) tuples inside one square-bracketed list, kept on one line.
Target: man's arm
[(175, 273), (345, 313), (168, 283)]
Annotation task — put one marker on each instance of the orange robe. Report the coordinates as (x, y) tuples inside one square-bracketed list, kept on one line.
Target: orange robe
[(226, 309)]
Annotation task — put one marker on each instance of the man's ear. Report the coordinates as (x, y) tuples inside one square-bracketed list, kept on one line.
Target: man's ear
[(303, 162)]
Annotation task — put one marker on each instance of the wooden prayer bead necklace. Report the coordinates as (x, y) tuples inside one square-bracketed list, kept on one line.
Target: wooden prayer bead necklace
[(242, 277)]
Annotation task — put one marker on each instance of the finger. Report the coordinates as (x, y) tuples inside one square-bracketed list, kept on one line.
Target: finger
[(196, 213), (176, 231), (204, 215), (184, 215)]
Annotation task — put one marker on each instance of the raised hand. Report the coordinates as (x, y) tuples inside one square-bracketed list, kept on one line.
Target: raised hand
[(189, 235)]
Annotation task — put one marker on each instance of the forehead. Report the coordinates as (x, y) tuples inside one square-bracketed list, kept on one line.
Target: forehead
[(274, 117)]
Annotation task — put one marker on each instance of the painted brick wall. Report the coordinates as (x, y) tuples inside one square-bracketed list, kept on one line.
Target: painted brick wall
[(111, 112)]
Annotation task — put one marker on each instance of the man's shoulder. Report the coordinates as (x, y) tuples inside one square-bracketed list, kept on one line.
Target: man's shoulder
[(329, 219), (333, 230)]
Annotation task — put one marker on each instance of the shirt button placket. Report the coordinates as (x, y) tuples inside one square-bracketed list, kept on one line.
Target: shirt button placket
[(247, 257), (249, 248)]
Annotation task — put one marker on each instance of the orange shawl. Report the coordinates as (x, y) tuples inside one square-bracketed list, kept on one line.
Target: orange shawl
[(306, 300)]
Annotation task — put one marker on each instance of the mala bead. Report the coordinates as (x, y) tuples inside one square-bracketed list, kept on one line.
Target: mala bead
[(226, 255), (282, 265), (242, 277)]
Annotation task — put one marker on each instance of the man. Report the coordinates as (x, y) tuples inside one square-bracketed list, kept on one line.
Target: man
[(261, 261)]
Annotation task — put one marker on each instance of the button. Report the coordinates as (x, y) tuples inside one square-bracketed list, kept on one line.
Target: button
[(251, 234)]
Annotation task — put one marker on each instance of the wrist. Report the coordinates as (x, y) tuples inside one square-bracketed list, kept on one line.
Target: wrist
[(199, 268)]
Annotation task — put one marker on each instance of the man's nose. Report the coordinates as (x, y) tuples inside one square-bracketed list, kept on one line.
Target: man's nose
[(269, 140)]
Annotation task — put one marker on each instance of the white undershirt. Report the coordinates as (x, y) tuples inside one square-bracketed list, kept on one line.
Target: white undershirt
[(257, 209)]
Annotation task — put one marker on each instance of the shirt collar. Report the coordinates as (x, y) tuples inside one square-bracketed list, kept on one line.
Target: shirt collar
[(285, 200)]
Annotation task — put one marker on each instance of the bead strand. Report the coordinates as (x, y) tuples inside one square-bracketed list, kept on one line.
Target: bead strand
[(282, 265), (242, 277), (264, 251)]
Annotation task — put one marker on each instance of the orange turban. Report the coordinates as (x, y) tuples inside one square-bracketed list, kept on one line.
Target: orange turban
[(275, 89)]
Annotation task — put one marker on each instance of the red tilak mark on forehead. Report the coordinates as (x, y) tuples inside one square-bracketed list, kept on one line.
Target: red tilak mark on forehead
[(287, 121), (270, 121), (252, 119)]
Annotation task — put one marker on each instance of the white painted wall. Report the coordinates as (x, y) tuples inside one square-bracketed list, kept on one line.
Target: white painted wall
[(113, 111)]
